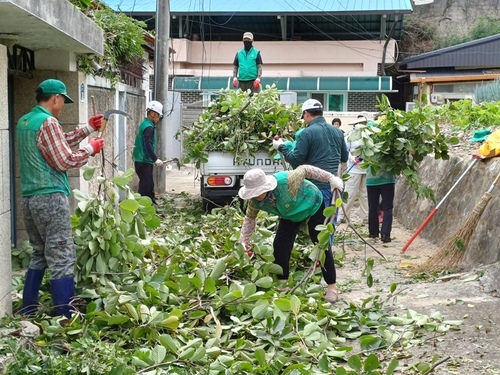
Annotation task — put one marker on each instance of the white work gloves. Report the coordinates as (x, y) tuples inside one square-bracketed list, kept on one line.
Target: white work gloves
[(336, 183), (277, 142), (158, 162)]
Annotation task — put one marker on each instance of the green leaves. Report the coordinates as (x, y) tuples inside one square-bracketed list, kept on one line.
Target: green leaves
[(107, 238), (190, 301), (399, 143), (123, 40), (241, 124)]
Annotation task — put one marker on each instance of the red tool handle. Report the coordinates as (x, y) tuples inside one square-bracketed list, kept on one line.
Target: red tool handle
[(420, 228), (433, 212)]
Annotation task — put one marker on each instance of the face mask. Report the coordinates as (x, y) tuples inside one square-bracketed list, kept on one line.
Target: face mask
[(247, 44)]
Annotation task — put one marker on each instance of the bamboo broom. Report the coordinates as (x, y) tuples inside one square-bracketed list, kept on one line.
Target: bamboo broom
[(449, 255)]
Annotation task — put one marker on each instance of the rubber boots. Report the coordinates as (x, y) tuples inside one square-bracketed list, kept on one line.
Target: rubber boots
[(62, 292), (30, 293)]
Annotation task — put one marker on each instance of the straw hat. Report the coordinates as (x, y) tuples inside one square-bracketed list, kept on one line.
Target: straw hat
[(255, 183)]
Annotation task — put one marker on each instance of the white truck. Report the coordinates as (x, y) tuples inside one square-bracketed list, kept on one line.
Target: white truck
[(221, 176)]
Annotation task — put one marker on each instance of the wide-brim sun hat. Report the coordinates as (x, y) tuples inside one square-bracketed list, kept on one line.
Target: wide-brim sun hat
[(256, 182), (359, 120)]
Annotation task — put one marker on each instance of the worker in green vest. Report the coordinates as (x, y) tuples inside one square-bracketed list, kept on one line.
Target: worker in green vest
[(45, 155), (144, 154), (247, 64), (295, 199)]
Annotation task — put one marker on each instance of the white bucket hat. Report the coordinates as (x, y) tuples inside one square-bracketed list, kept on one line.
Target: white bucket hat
[(255, 183), (359, 120)]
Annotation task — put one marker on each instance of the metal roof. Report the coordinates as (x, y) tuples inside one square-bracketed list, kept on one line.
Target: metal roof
[(273, 20), (184, 7), (480, 53)]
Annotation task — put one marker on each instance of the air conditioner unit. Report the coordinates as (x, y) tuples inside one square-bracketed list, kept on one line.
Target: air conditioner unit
[(437, 99), (288, 97), (409, 106)]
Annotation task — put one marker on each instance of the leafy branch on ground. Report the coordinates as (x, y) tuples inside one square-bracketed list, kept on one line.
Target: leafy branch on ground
[(192, 302)]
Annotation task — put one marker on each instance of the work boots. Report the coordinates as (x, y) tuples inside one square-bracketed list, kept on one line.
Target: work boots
[(32, 285), (62, 292)]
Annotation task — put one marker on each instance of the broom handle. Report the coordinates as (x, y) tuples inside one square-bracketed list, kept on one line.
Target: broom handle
[(434, 210), (494, 183)]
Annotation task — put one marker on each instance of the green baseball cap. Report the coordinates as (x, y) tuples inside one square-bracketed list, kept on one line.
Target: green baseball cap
[(54, 86)]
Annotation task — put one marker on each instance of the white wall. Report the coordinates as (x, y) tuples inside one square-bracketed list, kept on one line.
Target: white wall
[(5, 209), (287, 59)]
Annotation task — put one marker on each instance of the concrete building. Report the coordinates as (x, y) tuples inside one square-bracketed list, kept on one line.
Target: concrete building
[(333, 51), (452, 73), (41, 34), (41, 40)]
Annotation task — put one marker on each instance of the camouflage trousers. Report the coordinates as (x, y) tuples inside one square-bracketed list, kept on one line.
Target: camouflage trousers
[(47, 221)]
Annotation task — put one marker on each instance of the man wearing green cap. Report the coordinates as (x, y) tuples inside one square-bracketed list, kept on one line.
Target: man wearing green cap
[(45, 156)]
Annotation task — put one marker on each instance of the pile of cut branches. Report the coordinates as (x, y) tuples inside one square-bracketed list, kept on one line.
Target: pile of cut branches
[(240, 123)]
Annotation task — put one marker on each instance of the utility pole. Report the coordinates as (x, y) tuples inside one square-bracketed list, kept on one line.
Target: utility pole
[(162, 56)]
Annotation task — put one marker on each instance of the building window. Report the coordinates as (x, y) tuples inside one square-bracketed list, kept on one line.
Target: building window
[(331, 102)]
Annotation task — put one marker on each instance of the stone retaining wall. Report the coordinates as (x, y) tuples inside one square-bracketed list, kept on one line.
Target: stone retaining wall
[(440, 175)]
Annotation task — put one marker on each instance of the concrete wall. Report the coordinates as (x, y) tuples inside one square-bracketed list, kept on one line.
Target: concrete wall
[(77, 114), (5, 208), (291, 58), (129, 100), (440, 175), (73, 115)]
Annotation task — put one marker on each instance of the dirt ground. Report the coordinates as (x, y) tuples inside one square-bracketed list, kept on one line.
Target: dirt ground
[(472, 349)]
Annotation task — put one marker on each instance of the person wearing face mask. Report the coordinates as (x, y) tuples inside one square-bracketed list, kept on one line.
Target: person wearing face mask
[(247, 68), (144, 154)]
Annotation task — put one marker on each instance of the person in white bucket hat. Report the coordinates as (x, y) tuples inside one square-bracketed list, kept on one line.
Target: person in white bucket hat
[(294, 199), (144, 154)]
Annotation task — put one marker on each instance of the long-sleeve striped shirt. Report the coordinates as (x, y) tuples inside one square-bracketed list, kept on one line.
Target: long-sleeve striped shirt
[(56, 146)]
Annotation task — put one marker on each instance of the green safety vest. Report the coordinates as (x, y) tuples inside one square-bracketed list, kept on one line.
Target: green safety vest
[(139, 154), (37, 176), (247, 64), (305, 204)]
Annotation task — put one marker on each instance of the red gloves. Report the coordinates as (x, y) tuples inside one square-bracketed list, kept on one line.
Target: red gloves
[(256, 84), (95, 122), (247, 250), (95, 145), (235, 82)]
